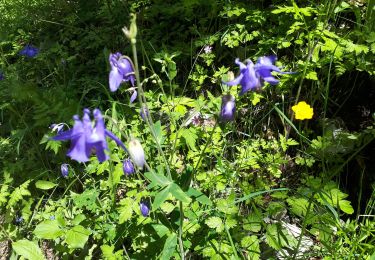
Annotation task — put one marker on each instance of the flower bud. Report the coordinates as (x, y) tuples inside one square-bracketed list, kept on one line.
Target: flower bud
[(136, 153), (228, 108), (145, 210), (64, 170), (128, 167), (131, 33)]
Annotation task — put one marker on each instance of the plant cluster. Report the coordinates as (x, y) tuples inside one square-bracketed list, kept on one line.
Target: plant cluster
[(186, 148)]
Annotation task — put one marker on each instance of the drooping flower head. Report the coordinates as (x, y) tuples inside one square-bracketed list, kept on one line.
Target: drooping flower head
[(303, 111), (29, 51), (247, 78), (122, 70), (64, 170), (228, 108), (253, 76), (145, 210), (128, 167), (87, 139), (136, 153)]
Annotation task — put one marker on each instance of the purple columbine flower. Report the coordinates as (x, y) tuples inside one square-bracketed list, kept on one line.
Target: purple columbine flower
[(145, 210), (1, 75), (64, 170), (86, 139), (253, 76), (228, 108), (128, 167), (29, 51), (122, 70)]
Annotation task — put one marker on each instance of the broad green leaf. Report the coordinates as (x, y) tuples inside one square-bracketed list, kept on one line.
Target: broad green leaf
[(178, 193), (45, 185), (346, 207), (169, 247), (298, 205), (160, 229), (157, 179), (199, 196), (48, 229), (216, 223), (77, 237), (28, 249), (160, 197)]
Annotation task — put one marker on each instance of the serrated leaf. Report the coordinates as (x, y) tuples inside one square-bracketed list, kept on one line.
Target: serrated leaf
[(48, 229), (28, 249), (77, 237), (253, 222), (125, 210), (18, 194), (216, 223), (45, 185), (251, 243), (178, 193), (169, 247), (190, 137)]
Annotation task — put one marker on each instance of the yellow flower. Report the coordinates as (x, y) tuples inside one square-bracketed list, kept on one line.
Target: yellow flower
[(303, 111)]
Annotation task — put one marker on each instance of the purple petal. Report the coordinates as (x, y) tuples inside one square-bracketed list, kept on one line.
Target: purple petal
[(62, 136), (234, 82), (133, 96), (115, 138), (115, 79)]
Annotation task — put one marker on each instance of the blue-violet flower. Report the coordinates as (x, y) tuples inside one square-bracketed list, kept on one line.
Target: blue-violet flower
[(122, 70), (228, 108), (29, 51), (64, 170), (145, 210), (86, 139), (253, 76), (128, 167)]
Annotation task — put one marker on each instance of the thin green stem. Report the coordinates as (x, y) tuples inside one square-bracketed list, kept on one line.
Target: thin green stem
[(180, 230), (143, 103)]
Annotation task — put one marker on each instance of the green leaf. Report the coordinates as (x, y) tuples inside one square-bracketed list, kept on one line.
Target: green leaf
[(45, 185), (28, 249), (253, 222), (18, 194), (178, 193), (169, 247), (157, 179), (48, 229), (125, 210), (108, 253), (254, 194), (158, 132), (160, 197), (190, 137), (251, 243), (215, 222), (199, 196), (77, 237), (160, 229)]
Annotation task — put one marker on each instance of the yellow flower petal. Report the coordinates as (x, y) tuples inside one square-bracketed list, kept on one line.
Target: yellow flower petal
[(303, 111)]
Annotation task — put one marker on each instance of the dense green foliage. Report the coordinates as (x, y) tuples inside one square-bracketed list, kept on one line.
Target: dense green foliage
[(265, 186)]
